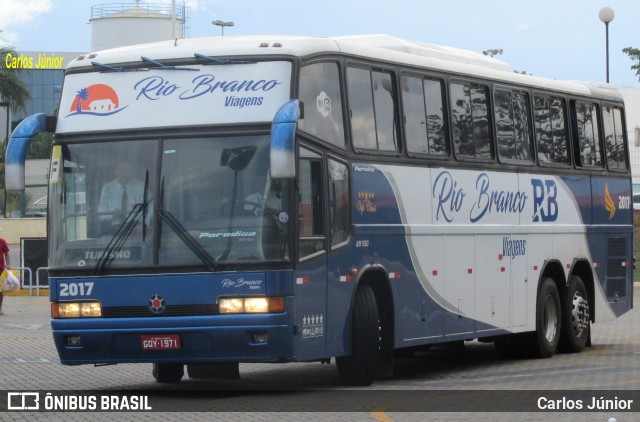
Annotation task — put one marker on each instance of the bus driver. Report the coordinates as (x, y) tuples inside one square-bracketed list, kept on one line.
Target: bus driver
[(118, 198)]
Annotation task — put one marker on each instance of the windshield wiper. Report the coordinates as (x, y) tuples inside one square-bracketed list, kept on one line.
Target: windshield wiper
[(188, 240), (116, 69), (118, 239), (125, 229), (214, 61), (183, 233), (161, 66), (145, 205)]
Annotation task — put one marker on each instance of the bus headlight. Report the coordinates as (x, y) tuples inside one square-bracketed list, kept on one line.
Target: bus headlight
[(76, 310), (251, 305)]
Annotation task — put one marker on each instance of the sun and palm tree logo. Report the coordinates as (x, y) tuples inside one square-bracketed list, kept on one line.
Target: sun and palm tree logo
[(83, 95), (96, 100)]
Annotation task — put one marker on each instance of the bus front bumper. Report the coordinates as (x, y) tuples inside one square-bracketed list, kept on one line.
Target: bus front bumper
[(81, 343)]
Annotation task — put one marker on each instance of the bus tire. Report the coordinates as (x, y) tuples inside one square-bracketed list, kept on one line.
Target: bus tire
[(168, 372), (544, 341), (359, 368), (575, 317)]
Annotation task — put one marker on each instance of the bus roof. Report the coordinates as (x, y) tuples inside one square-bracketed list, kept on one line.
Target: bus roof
[(376, 47)]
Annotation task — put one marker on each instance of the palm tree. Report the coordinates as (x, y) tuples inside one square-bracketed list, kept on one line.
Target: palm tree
[(12, 89), (82, 96)]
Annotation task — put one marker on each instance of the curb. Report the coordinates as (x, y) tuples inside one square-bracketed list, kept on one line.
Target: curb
[(27, 292)]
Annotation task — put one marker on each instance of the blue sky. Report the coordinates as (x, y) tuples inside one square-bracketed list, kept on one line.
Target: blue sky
[(559, 39)]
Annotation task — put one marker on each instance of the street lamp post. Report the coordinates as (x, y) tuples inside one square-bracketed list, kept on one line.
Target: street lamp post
[(606, 15), (222, 24)]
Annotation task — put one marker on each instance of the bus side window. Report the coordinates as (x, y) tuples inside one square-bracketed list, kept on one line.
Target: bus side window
[(372, 110), (75, 211), (320, 92), (513, 125), (551, 130), (423, 116), (470, 118), (586, 134), (338, 202), (614, 138), (310, 205)]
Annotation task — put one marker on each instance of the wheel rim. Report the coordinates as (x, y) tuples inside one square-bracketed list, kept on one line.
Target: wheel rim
[(550, 322), (579, 314)]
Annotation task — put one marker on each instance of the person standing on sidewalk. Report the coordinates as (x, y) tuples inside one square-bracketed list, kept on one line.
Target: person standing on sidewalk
[(5, 262)]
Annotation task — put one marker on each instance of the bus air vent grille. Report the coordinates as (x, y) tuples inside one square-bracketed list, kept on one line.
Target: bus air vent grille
[(175, 310)]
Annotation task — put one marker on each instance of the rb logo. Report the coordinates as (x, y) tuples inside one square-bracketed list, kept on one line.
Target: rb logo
[(545, 204)]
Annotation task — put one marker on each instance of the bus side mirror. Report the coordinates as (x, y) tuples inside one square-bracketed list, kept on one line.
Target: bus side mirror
[(283, 135), (17, 150)]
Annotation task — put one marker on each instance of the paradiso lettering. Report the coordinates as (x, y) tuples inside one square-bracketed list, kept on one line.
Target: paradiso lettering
[(451, 198)]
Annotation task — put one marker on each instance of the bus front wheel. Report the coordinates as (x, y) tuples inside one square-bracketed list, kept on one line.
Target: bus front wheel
[(359, 368), (168, 372)]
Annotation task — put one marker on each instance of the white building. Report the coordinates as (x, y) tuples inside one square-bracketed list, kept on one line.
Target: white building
[(632, 109), (119, 24)]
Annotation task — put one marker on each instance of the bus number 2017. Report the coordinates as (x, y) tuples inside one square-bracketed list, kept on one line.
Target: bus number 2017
[(76, 289), (624, 202)]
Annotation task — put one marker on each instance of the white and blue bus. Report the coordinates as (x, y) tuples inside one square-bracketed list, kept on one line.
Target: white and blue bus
[(293, 199)]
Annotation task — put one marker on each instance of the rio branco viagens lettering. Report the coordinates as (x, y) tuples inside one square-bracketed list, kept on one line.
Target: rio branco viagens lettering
[(450, 197), (156, 87)]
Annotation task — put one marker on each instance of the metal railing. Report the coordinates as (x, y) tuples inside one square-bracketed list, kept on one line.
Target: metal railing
[(28, 270), (137, 10), (38, 280), (115, 10)]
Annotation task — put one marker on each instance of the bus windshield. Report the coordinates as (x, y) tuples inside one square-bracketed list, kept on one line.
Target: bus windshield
[(167, 202)]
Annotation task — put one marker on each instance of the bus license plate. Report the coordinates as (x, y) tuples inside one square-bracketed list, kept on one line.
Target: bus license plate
[(164, 342)]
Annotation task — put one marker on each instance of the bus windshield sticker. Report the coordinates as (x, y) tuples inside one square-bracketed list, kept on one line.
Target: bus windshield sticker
[(324, 104)]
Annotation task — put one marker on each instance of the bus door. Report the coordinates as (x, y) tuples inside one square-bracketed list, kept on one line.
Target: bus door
[(310, 288)]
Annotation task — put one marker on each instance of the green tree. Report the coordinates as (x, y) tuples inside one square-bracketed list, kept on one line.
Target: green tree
[(634, 54), (12, 89)]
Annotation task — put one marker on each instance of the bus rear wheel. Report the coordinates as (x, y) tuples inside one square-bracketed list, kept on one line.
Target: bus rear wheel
[(575, 317), (168, 372), (544, 341), (359, 368)]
